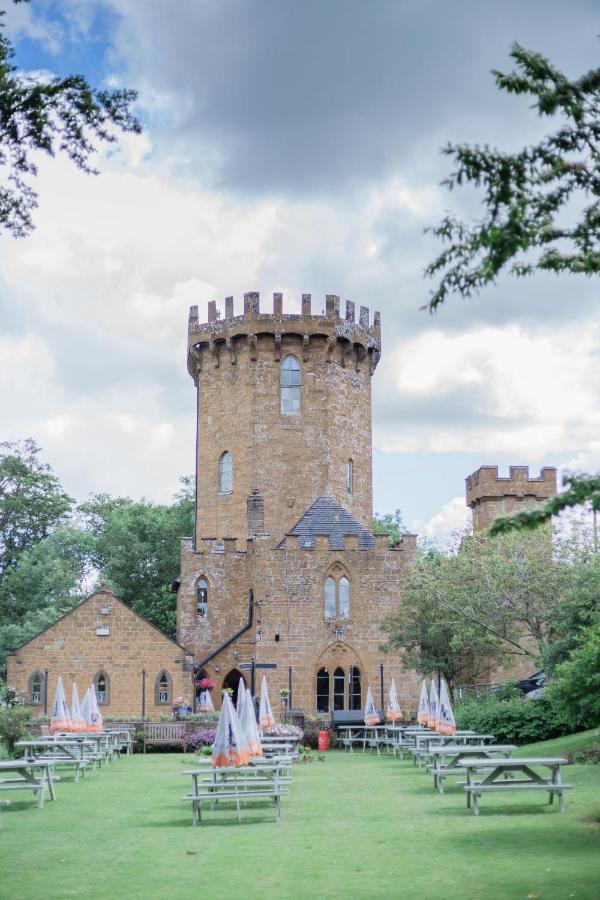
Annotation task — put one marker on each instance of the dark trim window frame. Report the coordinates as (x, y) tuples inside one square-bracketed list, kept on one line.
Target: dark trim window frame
[(35, 688), (102, 688), (163, 688)]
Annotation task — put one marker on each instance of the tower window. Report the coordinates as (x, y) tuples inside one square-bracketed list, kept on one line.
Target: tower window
[(350, 476), (290, 381), (226, 473), (330, 606), (337, 598), (202, 598)]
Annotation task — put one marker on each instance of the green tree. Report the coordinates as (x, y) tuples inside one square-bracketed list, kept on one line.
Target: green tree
[(576, 686), (49, 580), (32, 501), (390, 524), (137, 550), (528, 195), (579, 611), (490, 602), (52, 115)]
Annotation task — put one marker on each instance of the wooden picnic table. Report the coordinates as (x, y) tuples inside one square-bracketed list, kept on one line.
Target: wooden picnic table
[(501, 778), (424, 743), (27, 779), (447, 759), (351, 734), (57, 751), (266, 780)]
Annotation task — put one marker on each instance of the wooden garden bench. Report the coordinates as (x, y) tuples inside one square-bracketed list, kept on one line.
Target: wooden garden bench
[(166, 733), (501, 778)]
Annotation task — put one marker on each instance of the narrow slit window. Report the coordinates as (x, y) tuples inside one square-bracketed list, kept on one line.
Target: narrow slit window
[(102, 688), (344, 598), (36, 688), (350, 476), (290, 386), (329, 592), (226, 473), (202, 599)]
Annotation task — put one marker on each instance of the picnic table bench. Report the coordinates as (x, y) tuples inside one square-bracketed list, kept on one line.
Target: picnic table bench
[(501, 778), (27, 780), (166, 733), (441, 766), (260, 781), (272, 745), (57, 752), (424, 743)]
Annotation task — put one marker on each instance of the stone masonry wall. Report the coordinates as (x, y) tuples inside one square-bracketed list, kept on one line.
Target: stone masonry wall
[(72, 649)]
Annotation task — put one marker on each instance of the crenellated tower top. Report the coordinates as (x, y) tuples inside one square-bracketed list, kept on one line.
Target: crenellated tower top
[(490, 495), (349, 341)]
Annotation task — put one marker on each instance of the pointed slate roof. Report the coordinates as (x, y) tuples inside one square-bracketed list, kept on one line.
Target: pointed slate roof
[(327, 517)]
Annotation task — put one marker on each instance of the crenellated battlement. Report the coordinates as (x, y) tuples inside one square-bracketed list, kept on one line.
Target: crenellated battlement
[(486, 483), (223, 334)]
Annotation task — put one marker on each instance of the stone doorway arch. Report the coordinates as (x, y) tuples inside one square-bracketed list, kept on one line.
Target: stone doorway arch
[(232, 680)]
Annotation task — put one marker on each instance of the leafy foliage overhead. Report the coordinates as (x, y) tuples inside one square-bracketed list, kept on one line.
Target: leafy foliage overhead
[(541, 204), (581, 489), (49, 114)]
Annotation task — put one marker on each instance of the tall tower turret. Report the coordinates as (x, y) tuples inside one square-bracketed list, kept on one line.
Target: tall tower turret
[(284, 413)]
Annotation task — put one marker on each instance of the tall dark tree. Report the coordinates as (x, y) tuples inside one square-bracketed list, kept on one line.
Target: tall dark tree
[(32, 501), (64, 115)]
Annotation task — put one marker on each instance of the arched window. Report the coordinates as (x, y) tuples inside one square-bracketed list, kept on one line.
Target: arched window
[(163, 689), (350, 476), (344, 598), (330, 609), (290, 381), (337, 597), (102, 688), (36, 680), (354, 692), (339, 689), (226, 473), (323, 691), (202, 598)]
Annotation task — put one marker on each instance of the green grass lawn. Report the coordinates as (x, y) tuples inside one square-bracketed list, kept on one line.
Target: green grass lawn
[(354, 826)]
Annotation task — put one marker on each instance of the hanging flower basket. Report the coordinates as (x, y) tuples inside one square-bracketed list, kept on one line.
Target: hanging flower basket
[(207, 684)]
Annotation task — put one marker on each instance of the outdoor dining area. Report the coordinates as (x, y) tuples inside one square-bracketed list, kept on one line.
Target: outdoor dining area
[(76, 741), (245, 766), (437, 746)]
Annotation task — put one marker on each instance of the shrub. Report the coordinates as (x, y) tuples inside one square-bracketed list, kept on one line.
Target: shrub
[(514, 720), (576, 686), (14, 726), (204, 737), (586, 755)]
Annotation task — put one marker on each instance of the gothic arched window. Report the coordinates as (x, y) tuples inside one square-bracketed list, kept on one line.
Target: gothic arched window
[(344, 598), (35, 688), (339, 689), (163, 688), (354, 693), (330, 606), (202, 598), (290, 381), (323, 691), (226, 473), (102, 688), (336, 593)]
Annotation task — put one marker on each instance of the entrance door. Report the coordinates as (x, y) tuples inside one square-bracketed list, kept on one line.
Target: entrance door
[(232, 680)]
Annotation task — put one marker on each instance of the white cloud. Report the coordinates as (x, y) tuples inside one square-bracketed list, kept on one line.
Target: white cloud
[(454, 516)]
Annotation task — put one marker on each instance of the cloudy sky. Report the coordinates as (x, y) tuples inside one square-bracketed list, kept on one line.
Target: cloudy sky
[(290, 146)]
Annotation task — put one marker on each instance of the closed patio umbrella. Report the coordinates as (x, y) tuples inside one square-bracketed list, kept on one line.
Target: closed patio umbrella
[(61, 717), (231, 746), (205, 703), (434, 707), (446, 724), (371, 716), (265, 715), (423, 713), (249, 723), (241, 698), (77, 723), (96, 724), (86, 711), (394, 713)]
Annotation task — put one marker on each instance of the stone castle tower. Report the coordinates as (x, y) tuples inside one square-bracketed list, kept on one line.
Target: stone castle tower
[(490, 496), (288, 398), (284, 568)]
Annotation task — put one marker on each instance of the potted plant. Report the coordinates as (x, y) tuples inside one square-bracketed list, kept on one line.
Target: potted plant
[(285, 697), (181, 706)]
